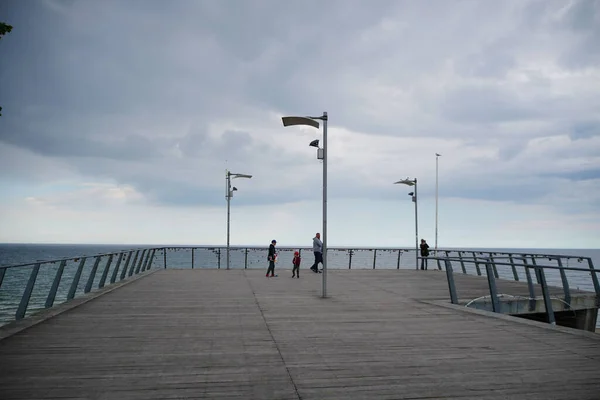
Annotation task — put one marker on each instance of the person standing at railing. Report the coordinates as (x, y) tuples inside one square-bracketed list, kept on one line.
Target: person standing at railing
[(318, 250), (424, 253), (271, 257)]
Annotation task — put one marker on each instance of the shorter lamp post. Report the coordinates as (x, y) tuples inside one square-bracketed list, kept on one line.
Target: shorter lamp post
[(413, 182), (229, 195)]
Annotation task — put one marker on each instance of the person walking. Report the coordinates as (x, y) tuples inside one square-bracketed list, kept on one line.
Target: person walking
[(296, 263), (271, 257), (424, 253), (318, 250)]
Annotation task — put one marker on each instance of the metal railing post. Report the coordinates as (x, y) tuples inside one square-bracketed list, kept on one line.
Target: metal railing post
[(105, 273), (529, 285), (149, 266), (494, 266), (451, 285), (113, 277), (90, 281), (514, 269), (476, 264), (132, 267), (218, 258), (76, 278), (594, 277), (537, 272), (165, 257), (492, 285), (565, 282), (55, 284), (374, 257), (192, 258), (27, 293), (350, 253), (150, 258), (546, 294), (447, 256), (246, 258), (399, 255), (139, 266), (462, 263), (124, 272), (2, 272)]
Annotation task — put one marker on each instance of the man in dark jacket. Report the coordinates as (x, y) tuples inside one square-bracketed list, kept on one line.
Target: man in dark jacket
[(271, 257), (424, 253)]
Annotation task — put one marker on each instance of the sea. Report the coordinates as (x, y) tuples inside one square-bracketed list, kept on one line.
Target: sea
[(15, 279)]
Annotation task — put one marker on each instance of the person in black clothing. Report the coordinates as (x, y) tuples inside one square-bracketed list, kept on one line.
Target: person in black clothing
[(271, 257), (424, 253)]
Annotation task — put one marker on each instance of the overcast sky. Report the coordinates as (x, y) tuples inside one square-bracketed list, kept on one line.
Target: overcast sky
[(120, 118)]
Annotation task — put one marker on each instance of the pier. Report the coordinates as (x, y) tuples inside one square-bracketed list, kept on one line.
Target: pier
[(215, 333)]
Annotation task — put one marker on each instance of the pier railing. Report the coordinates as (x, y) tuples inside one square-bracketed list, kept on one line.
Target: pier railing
[(543, 274), (30, 287), (27, 288)]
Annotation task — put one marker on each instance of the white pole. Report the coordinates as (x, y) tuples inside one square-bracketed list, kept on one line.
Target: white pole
[(416, 228), (436, 202), (228, 212), (324, 204)]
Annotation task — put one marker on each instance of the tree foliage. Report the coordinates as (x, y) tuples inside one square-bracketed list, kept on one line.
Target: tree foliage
[(4, 29)]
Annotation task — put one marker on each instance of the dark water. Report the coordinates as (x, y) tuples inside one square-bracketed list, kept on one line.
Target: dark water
[(15, 279)]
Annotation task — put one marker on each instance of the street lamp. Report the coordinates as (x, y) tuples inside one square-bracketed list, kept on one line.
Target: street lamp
[(321, 155), (413, 182), (228, 196), (436, 201)]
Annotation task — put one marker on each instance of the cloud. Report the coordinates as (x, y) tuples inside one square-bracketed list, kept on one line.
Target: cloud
[(162, 98)]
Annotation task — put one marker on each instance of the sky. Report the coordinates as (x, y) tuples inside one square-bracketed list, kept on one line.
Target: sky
[(120, 119)]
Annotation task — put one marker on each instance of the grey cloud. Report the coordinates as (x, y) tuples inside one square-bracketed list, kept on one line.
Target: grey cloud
[(52, 141), (492, 61), (484, 105), (135, 103), (585, 129)]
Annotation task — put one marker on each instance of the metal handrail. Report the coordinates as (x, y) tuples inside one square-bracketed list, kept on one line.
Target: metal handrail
[(492, 263), (141, 263), (110, 267), (73, 258)]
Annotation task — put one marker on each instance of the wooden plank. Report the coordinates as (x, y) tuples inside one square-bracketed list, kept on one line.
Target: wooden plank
[(236, 334)]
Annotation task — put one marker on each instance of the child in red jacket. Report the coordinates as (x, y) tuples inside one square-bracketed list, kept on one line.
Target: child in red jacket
[(296, 262)]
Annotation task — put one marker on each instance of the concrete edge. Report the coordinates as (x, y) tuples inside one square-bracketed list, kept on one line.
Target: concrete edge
[(15, 327), (510, 318)]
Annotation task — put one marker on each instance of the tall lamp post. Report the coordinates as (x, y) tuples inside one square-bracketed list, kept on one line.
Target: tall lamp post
[(413, 182), (437, 156), (228, 195), (321, 155)]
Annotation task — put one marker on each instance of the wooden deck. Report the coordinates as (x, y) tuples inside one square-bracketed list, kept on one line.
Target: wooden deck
[(216, 334)]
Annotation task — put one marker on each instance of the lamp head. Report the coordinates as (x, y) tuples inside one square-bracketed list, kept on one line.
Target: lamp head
[(290, 121), (241, 176), (406, 181)]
